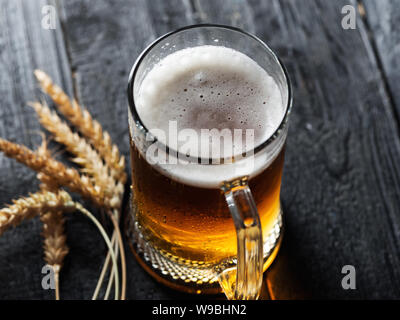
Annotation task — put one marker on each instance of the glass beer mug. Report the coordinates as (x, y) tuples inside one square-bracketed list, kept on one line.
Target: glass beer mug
[(202, 225)]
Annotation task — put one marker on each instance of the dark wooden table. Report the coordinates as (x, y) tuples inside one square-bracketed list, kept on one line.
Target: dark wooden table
[(341, 189)]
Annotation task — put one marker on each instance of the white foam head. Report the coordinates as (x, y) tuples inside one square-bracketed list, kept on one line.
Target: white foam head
[(210, 87)]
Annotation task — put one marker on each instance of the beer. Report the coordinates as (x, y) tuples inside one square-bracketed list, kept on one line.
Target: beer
[(180, 209), (194, 223)]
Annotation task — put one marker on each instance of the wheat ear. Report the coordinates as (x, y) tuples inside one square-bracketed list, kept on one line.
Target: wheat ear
[(54, 244), (47, 183), (54, 238), (67, 177), (84, 122), (84, 154), (29, 207)]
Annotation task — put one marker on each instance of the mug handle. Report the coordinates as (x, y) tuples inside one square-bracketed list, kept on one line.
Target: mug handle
[(245, 282)]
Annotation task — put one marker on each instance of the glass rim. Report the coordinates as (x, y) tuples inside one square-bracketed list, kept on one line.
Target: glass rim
[(138, 120)]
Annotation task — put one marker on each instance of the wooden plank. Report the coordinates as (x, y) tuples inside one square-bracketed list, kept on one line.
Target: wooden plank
[(166, 16), (234, 12), (24, 46), (104, 38), (382, 19), (341, 184)]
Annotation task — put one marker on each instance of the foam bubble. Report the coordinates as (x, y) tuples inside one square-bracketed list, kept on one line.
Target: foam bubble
[(210, 87)]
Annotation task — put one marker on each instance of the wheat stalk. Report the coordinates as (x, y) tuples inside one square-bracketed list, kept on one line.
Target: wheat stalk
[(63, 176), (93, 165), (84, 154), (84, 122), (105, 188), (91, 129), (47, 201)]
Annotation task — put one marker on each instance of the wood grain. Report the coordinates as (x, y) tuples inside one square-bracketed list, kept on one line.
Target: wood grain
[(341, 183), (382, 19), (24, 46), (342, 172), (104, 38)]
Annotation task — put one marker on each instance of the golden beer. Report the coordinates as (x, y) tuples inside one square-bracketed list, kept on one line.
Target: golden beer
[(194, 224)]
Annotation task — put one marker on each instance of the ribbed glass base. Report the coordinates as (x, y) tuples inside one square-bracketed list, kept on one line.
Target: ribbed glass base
[(189, 276)]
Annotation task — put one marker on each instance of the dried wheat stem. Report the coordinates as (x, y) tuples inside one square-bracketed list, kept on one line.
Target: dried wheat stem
[(110, 280), (117, 241), (109, 245), (84, 122), (67, 177), (85, 155), (114, 218), (56, 269), (105, 268)]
